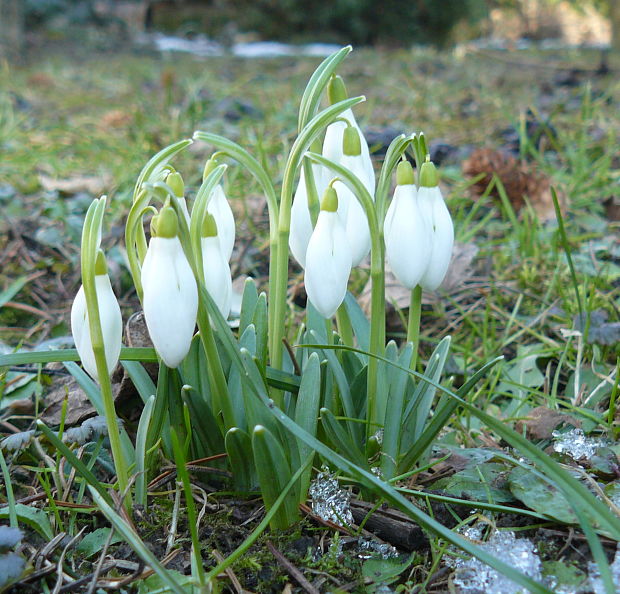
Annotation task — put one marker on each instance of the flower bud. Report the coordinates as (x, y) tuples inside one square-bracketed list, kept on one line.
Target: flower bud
[(218, 281), (406, 231), (170, 299), (328, 259), (220, 209), (438, 218), (109, 317)]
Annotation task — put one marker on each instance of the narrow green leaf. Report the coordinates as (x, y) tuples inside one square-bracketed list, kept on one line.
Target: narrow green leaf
[(339, 437), (239, 450), (142, 439), (274, 473), (12, 290)]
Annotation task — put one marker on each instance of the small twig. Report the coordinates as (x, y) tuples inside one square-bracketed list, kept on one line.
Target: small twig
[(61, 560), (292, 570), (229, 572), (291, 354)]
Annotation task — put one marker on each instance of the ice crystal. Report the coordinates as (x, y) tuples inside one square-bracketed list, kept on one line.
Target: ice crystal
[(329, 501), (576, 444), (596, 581), (472, 575)]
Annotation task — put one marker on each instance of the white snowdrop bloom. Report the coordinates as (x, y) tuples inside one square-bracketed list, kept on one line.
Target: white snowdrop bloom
[(219, 207), (334, 135), (301, 222), (328, 259), (406, 231), (438, 218), (109, 316), (170, 294), (216, 269)]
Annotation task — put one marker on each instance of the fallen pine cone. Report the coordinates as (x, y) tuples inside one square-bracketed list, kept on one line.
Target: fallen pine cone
[(520, 179)]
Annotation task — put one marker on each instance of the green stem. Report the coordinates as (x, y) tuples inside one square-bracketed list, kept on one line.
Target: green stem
[(344, 325), (10, 496), (413, 327), (90, 245)]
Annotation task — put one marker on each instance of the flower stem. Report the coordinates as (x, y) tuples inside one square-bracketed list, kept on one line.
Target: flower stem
[(413, 326), (344, 325)]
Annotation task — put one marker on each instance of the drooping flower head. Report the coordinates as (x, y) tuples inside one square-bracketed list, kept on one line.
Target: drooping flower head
[(438, 218), (220, 209), (351, 212), (301, 219), (328, 259), (170, 294), (407, 233), (218, 281), (333, 143), (109, 317)]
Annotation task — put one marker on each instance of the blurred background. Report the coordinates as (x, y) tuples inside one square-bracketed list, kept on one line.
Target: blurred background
[(390, 23)]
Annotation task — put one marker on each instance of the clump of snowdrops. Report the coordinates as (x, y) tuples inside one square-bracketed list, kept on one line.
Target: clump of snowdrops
[(340, 395)]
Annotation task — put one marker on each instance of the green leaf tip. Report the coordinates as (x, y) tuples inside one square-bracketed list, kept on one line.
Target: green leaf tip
[(210, 165)]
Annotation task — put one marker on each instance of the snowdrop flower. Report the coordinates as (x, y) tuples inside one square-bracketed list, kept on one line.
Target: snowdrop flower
[(220, 209), (170, 299), (109, 316), (301, 222), (218, 281), (333, 143), (406, 231), (175, 181), (438, 218), (328, 259), (350, 210)]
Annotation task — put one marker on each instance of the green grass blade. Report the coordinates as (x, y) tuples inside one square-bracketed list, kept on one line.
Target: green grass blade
[(135, 542), (142, 439)]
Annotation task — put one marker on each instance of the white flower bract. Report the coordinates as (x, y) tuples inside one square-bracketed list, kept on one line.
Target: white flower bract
[(222, 213), (328, 264), (218, 281), (438, 218), (301, 222), (407, 237), (111, 326), (170, 299)]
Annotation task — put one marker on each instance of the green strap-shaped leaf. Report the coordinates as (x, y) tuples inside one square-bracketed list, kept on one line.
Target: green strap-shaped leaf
[(274, 472), (239, 450)]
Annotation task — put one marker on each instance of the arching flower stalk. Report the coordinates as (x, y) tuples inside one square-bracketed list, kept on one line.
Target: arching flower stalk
[(170, 299)]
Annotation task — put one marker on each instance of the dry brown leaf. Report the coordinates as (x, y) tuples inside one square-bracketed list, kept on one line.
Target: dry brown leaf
[(519, 178), (90, 184), (542, 421), (116, 118)]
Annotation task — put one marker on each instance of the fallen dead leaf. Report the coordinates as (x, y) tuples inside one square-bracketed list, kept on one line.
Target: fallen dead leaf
[(116, 118), (542, 421)]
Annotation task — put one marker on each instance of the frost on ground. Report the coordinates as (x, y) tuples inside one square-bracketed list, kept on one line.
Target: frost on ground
[(471, 575), (596, 582), (329, 501), (576, 444)]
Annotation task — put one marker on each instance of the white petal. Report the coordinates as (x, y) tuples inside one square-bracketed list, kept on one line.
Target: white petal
[(442, 231), (328, 264), (111, 326), (170, 299), (407, 237), (218, 281), (301, 222), (332, 147), (222, 213)]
